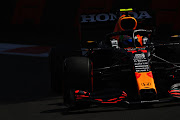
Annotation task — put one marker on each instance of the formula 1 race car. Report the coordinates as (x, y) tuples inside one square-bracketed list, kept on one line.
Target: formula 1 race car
[(115, 74), (123, 69)]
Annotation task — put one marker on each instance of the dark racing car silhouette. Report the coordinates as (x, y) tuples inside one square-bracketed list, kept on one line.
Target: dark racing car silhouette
[(123, 68)]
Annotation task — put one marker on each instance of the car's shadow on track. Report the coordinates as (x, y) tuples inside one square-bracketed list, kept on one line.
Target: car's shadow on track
[(100, 109)]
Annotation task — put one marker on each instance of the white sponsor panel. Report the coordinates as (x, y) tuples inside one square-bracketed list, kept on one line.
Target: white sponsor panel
[(141, 63), (139, 56)]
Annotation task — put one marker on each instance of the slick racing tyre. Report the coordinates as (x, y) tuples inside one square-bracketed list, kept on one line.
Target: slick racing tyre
[(56, 58), (77, 74)]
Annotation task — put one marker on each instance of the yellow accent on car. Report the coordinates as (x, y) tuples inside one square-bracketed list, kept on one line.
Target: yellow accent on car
[(126, 10)]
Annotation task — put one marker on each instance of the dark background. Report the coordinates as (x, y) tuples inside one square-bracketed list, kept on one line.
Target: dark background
[(25, 89), (49, 22)]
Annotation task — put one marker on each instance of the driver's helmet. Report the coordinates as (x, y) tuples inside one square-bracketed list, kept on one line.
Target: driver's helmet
[(125, 23)]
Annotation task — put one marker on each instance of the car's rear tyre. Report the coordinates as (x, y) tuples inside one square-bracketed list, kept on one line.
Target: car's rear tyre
[(77, 74)]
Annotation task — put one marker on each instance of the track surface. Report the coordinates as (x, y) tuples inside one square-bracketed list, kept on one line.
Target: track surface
[(22, 99)]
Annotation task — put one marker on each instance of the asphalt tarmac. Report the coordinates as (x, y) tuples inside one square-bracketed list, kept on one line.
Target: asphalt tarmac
[(25, 95)]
